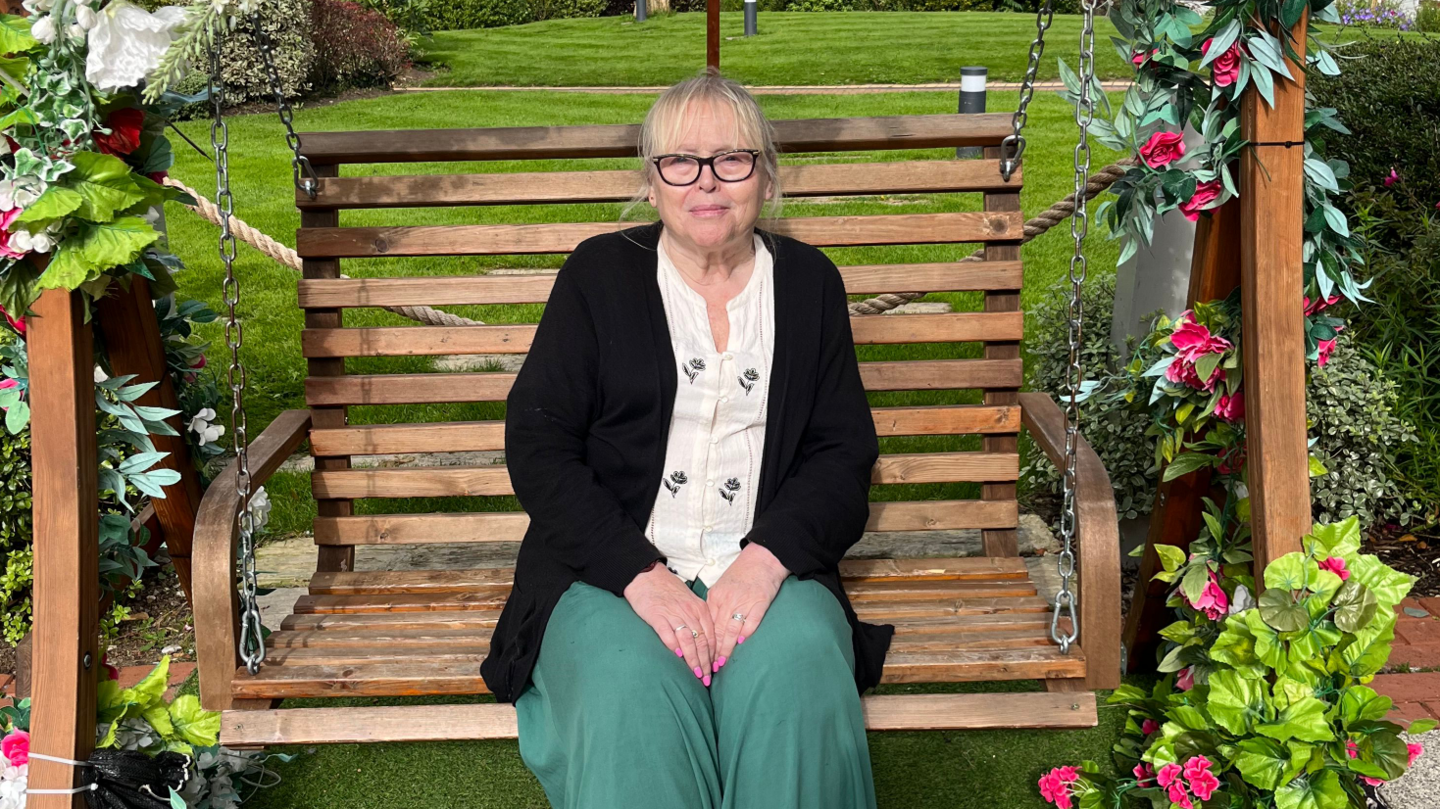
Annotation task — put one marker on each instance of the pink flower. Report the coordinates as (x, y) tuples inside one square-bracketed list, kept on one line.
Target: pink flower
[(1226, 67), (1149, 726), (1183, 371), (1231, 408), (1232, 461), (1170, 774), (110, 671), (1193, 340), (199, 362), (1414, 750), (1203, 783), (6, 219), (1336, 565), (1055, 786), (1319, 306), (1162, 149), (1374, 782), (1144, 774), (1392, 179), (1351, 748), (1186, 679), (1138, 58), (1213, 601), (1205, 194), (1177, 795), (1327, 347), (16, 748)]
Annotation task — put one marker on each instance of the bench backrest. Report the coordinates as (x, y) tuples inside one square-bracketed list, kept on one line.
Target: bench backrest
[(946, 383)]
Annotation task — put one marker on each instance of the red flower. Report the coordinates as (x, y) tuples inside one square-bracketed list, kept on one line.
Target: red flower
[(1231, 409), (1162, 149), (15, 748), (1319, 306), (1185, 681), (16, 323), (1148, 727), (1327, 347), (1205, 194), (124, 137), (1226, 67), (1232, 461), (158, 176)]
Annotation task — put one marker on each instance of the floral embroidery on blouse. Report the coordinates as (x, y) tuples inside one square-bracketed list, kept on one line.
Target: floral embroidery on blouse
[(677, 479), (694, 368), (748, 379), (731, 487)]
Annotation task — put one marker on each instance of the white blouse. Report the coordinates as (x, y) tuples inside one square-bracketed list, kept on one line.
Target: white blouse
[(706, 501)]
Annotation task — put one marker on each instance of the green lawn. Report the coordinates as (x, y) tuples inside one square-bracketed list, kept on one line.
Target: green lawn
[(272, 322)]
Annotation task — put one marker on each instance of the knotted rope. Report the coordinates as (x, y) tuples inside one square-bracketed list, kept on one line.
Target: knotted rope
[(1052, 216)]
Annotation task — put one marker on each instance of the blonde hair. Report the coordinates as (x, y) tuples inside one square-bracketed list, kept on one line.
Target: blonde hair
[(668, 119)]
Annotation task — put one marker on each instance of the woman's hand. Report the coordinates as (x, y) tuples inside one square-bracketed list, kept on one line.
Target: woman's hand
[(663, 601), (747, 587)]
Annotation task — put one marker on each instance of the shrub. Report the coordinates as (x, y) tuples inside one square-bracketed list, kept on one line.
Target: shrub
[(461, 14), (1389, 97), (354, 46), (1374, 14), (287, 22), (1427, 19), (1115, 431), (566, 9), (16, 532)]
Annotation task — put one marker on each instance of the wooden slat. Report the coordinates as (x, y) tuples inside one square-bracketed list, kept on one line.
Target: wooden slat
[(407, 529), (425, 677), (542, 187), (429, 723), (470, 481), (393, 621), (562, 237), (966, 276), (430, 341), (619, 140), (390, 389)]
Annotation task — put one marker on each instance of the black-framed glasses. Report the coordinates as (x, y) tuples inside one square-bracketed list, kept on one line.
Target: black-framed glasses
[(684, 169)]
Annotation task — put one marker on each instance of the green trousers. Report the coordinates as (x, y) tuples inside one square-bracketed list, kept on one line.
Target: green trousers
[(613, 720)]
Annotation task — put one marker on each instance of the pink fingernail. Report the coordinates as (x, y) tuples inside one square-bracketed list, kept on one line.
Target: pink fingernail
[(707, 679), (721, 662), (715, 666), (740, 639), (679, 652), (698, 672)]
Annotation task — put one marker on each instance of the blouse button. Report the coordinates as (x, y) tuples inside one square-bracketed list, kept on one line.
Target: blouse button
[(710, 482), (710, 561), (708, 527), (727, 355), (714, 440), (724, 398)]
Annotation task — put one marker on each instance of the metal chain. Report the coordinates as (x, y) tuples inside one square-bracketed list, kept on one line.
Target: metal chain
[(1065, 600), (298, 163), (1014, 144), (252, 643)]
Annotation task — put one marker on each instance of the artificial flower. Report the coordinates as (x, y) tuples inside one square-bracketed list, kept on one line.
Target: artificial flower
[(1231, 408), (259, 509), (1226, 67), (1212, 599), (8, 246), (1185, 680), (1392, 178), (100, 375), (127, 43), (1144, 774), (1326, 348), (44, 30), (1149, 726), (15, 747), (1241, 600), (124, 136), (202, 425), (1193, 340), (1319, 305), (1336, 565), (1162, 149), (1055, 786), (1203, 199), (1198, 777)]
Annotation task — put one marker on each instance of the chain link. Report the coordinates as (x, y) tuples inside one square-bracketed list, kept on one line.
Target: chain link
[(1065, 600), (1014, 144), (252, 643), (299, 164)]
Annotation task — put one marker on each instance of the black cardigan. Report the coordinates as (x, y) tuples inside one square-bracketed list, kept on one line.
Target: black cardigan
[(586, 427)]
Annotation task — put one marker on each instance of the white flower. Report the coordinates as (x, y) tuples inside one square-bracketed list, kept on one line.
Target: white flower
[(201, 424), (24, 241), (85, 17), (12, 786), (100, 375), (19, 192), (37, 7), (44, 30), (1242, 600), (77, 33), (127, 43), (259, 509)]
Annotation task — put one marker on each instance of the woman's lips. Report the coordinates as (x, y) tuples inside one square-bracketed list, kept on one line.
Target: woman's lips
[(708, 210)]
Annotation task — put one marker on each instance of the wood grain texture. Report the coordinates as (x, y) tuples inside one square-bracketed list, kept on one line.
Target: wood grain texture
[(619, 140), (562, 237), (1003, 542), (1097, 540), (64, 456), (570, 187), (429, 723), (466, 290)]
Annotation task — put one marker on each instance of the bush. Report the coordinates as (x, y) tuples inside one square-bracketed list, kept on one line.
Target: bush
[(16, 535), (1115, 430), (566, 9), (1374, 14), (354, 47), (288, 24), (1389, 97), (1427, 19), (461, 14)]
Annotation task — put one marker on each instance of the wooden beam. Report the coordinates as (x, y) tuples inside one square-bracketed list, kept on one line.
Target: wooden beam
[(712, 34), (1003, 542), (127, 323), (67, 542), (1272, 200)]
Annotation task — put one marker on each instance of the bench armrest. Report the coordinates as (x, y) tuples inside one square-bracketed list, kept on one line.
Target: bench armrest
[(217, 603), (1097, 536)]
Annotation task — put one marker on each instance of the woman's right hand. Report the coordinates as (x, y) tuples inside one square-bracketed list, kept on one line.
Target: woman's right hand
[(663, 601)]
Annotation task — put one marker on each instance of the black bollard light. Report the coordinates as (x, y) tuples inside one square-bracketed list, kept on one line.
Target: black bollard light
[(750, 18), (972, 102), (640, 10)]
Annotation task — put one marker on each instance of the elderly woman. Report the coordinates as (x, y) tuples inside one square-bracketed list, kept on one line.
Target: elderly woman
[(691, 439)]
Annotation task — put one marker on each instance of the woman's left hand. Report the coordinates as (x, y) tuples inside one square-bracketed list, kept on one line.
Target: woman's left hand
[(747, 587)]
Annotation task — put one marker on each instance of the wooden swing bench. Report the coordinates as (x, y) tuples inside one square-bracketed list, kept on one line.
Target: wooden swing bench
[(405, 633)]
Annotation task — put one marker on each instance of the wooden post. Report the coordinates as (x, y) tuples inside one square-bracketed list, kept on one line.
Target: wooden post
[(1272, 203), (1002, 542), (67, 542), (132, 338), (712, 34)]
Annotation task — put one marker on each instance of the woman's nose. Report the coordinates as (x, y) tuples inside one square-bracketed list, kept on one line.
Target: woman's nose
[(707, 179)]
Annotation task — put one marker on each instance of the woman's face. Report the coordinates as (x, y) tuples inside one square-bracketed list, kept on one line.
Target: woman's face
[(709, 214)]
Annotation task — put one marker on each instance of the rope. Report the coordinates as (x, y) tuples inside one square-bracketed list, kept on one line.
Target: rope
[(880, 304), (284, 255), (1052, 216)]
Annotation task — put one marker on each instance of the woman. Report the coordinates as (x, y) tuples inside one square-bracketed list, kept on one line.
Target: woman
[(691, 439)]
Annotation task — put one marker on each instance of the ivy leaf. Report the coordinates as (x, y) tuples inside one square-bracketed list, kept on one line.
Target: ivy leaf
[(1319, 790), (116, 243), (1355, 606), (57, 201), (1235, 701), (1390, 586), (105, 183), (1302, 719), (1171, 557), (1360, 703), (1280, 611)]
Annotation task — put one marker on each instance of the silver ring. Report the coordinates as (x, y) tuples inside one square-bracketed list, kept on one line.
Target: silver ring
[(693, 633), (738, 616)]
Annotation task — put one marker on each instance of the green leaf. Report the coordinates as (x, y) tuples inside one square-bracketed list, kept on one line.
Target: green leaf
[(1206, 365), (1194, 582), (1369, 651), (1187, 463), (195, 724), (1302, 719), (1336, 220), (1268, 764), (1236, 647), (1390, 586), (116, 243), (57, 201), (1236, 701), (1291, 572), (159, 718), (1318, 467), (150, 690), (1319, 790), (1387, 751), (1421, 726), (15, 34), (105, 183), (1280, 611), (1355, 606), (177, 802), (1171, 557), (68, 267), (1338, 539)]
